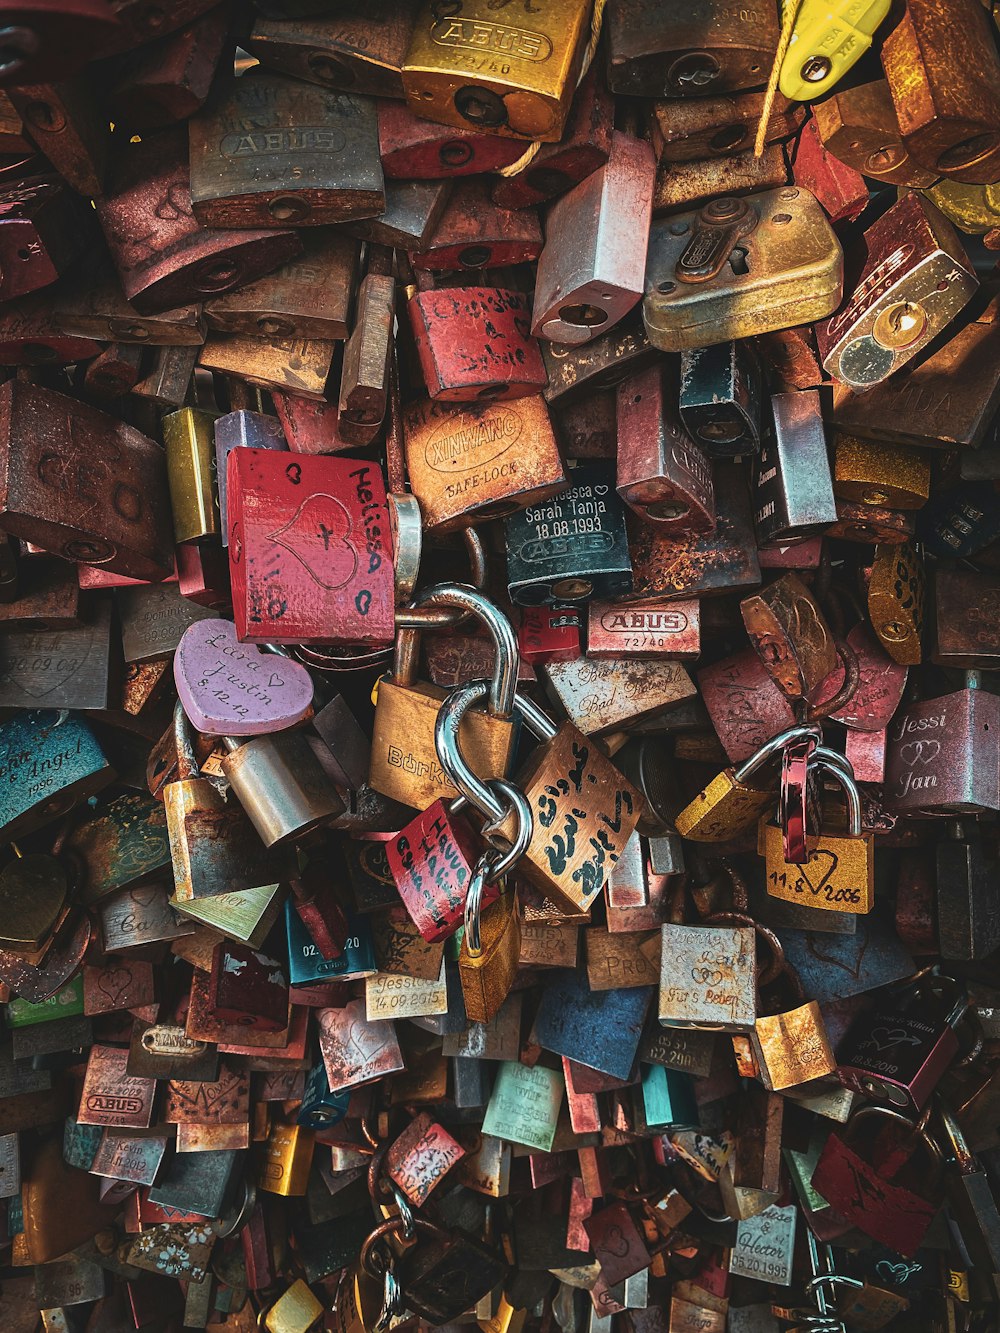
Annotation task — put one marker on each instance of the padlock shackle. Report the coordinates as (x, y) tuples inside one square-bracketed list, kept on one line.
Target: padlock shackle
[(964, 1156), (449, 752), (416, 617), (500, 701), (187, 765), (774, 746), (842, 772)]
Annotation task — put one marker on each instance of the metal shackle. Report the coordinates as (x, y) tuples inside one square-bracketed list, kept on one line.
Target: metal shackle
[(449, 752), (500, 702), (773, 747), (187, 764), (842, 771)]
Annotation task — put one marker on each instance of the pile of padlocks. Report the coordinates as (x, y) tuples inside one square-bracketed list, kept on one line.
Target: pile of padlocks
[(436, 438)]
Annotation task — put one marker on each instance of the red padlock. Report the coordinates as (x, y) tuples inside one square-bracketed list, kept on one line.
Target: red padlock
[(431, 861)]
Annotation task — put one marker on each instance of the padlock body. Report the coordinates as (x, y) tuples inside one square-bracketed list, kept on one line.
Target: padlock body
[(897, 1058), (473, 343), (942, 753)]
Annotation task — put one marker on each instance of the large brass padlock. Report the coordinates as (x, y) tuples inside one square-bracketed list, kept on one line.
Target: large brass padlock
[(404, 763)]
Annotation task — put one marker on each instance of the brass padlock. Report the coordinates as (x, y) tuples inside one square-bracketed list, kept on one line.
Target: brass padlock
[(870, 472), (466, 67), (281, 785), (739, 267), (189, 445), (491, 947), (790, 635), (858, 125), (404, 763)]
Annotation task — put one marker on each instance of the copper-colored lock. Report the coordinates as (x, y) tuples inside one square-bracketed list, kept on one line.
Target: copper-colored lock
[(706, 46), (792, 1048), (870, 524), (664, 630), (468, 67), (474, 343), (364, 379), (67, 125), (416, 149), (896, 601), (944, 76), (360, 51), (841, 191), (473, 463), (791, 636), (583, 149), (42, 231), (163, 256), (82, 484), (590, 271), (474, 233), (902, 299), (169, 80), (587, 427), (692, 129), (684, 184), (576, 372), (871, 473), (662, 473), (90, 304), (309, 297), (54, 40), (309, 549), (320, 150), (858, 125), (300, 365), (311, 426)]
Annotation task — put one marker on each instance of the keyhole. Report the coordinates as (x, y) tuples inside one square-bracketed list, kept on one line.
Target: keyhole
[(739, 262)]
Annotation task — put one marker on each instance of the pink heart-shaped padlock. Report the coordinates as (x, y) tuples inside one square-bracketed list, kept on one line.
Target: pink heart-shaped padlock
[(228, 688)]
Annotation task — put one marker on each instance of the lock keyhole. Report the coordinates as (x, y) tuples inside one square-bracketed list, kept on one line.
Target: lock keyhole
[(739, 261)]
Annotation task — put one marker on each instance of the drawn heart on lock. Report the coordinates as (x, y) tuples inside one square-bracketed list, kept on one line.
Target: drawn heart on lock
[(818, 869), (814, 945), (228, 688), (707, 976), (114, 983), (316, 535), (896, 1273), (32, 894), (883, 1038), (366, 1050), (922, 751)]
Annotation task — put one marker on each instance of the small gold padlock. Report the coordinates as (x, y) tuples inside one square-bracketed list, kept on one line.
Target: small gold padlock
[(491, 948)]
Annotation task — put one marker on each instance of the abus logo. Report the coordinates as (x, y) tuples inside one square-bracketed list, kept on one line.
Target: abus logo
[(520, 43), (664, 622), (119, 1105), (451, 450)]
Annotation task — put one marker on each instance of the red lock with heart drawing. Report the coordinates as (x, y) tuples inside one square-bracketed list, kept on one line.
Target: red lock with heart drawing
[(309, 549)]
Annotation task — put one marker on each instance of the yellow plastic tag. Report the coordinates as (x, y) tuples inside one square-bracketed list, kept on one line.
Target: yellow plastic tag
[(828, 39)]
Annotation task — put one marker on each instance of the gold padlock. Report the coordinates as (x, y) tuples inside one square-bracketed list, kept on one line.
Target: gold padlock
[(404, 762), (491, 948)]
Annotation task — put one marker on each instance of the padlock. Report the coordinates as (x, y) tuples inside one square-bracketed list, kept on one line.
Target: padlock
[(826, 42), (974, 209), (84, 485), (444, 1274), (730, 803), (721, 388), (66, 123), (549, 634), (939, 402), (872, 473), (590, 271), (608, 696), (213, 848), (309, 549), (491, 946), (662, 474), (301, 365), (281, 785), (572, 547), (240, 428), (321, 150), (751, 1178), (413, 211), (792, 1047), (739, 267), (42, 232), (584, 148), (247, 988), (169, 80), (793, 488), (960, 520), (896, 601), (91, 304), (696, 128), (431, 860), (404, 764), (838, 872), (858, 125), (681, 186), (474, 343), (114, 372), (415, 149), (664, 630), (896, 1215), (473, 463), (309, 297), (169, 377), (944, 77), (708, 977), (791, 636), (189, 447), (707, 48), (700, 564), (474, 233), (524, 86), (364, 379), (968, 925), (888, 319), (362, 52), (968, 618), (898, 1051), (584, 811), (971, 1197), (164, 258), (840, 190)]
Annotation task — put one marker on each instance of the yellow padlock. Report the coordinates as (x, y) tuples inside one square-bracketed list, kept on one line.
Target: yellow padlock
[(828, 38)]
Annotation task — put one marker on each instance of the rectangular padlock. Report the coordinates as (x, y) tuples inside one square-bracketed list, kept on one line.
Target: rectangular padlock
[(683, 185), (310, 157), (415, 149), (668, 630), (68, 125), (468, 68), (940, 752), (309, 549), (721, 388), (691, 129), (793, 488), (42, 232), (841, 191), (590, 270), (858, 125), (168, 80), (473, 233), (790, 271)]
